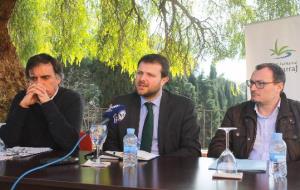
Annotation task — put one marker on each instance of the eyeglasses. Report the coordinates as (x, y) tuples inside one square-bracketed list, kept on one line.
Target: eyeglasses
[(258, 84)]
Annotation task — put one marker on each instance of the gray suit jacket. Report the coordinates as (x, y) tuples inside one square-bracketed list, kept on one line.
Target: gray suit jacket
[(178, 132)]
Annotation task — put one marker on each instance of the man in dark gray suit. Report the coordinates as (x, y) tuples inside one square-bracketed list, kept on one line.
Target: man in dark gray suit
[(165, 123)]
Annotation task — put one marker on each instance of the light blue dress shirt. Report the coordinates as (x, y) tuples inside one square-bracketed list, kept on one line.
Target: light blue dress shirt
[(264, 129), (143, 114)]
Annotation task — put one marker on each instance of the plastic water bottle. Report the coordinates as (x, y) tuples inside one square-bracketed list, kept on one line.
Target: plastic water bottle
[(277, 163), (130, 149)]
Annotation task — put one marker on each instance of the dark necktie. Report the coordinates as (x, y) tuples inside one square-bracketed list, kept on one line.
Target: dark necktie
[(147, 134)]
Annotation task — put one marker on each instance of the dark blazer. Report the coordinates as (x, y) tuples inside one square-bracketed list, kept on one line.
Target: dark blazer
[(178, 132)]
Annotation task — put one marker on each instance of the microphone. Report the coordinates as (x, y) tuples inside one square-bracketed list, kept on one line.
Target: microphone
[(115, 114)]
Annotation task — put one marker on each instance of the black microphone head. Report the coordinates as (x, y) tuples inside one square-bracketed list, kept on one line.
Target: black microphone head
[(115, 113)]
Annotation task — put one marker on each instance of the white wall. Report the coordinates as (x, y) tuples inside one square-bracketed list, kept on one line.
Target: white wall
[(261, 38)]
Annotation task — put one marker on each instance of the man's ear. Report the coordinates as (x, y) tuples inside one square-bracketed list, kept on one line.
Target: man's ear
[(280, 86), (165, 80), (59, 79)]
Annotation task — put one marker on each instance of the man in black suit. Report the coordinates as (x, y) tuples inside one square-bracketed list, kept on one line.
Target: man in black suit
[(173, 122)]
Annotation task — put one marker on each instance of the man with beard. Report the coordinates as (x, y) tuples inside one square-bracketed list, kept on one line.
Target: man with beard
[(165, 123), (268, 111)]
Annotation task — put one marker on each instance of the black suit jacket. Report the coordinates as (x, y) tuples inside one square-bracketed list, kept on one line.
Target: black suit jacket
[(178, 132)]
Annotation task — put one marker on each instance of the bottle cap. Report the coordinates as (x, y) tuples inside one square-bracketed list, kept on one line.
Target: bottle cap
[(130, 130), (277, 136)]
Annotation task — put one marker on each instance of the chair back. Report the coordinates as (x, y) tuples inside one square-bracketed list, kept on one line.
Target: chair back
[(86, 143)]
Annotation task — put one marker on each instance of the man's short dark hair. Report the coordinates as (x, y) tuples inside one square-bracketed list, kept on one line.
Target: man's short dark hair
[(44, 58), (278, 73), (156, 58)]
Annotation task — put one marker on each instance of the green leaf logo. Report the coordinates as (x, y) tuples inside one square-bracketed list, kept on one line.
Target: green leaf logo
[(281, 52)]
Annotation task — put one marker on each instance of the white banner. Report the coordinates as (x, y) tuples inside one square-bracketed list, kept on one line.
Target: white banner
[(276, 41)]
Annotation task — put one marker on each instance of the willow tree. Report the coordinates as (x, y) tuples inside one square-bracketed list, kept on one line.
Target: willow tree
[(234, 15), (11, 75), (116, 32)]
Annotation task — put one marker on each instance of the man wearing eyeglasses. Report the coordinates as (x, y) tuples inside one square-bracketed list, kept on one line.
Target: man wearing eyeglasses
[(268, 111)]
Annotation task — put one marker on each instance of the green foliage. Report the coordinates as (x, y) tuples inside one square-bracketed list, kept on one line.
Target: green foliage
[(216, 92), (25, 34), (215, 95), (60, 28), (181, 85), (122, 39), (69, 28), (96, 82), (239, 13), (78, 78), (269, 10), (115, 32), (213, 72), (119, 32)]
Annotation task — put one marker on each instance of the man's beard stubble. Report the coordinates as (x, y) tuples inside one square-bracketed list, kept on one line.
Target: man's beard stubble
[(148, 94)]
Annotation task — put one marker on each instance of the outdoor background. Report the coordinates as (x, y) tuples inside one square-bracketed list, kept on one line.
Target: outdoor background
[(100, 42)]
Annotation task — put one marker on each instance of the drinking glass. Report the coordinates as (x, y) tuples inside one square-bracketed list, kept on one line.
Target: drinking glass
[(226, 163), (2, 147), (98, 134)]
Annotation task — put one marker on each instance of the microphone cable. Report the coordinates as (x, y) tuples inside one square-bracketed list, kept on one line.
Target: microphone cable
[(48, 164), (116, 112)]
